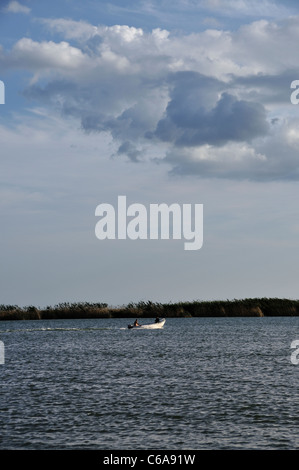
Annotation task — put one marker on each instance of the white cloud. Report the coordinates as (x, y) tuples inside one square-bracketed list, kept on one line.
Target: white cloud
[(265, 8), (16, 7), (70, 29)]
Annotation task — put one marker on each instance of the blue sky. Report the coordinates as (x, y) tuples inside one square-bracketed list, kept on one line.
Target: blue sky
[(178, 102)]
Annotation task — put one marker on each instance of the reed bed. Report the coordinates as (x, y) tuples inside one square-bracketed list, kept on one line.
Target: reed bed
[(255, 307)]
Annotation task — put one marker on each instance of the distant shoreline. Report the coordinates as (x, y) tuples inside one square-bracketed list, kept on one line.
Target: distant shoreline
[(252, 307)]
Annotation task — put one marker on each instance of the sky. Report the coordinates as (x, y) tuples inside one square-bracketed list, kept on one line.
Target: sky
[(181, 101)]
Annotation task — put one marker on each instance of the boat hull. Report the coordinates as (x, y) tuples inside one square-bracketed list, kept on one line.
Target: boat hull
[(150, 326)]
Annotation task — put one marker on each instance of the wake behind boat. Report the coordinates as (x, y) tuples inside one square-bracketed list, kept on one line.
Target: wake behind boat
[(150, 326)]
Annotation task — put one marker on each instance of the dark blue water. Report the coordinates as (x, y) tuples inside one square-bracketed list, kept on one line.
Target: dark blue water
[(199, 383)]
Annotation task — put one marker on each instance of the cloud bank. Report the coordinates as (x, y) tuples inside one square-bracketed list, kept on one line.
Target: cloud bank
[(213, 103)]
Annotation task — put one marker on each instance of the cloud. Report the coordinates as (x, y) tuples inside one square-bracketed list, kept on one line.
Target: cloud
[(16, 7), (46, 54), (189, 122), (207, 103), (272, 159), (233, 161), (187, 15), (130, 150), (70, 29), (265, 8)]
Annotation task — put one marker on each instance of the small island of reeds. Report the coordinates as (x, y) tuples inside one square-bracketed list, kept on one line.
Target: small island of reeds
[(252, 307)]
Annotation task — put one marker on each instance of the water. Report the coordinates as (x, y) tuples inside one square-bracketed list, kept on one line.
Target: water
[(200, 383)]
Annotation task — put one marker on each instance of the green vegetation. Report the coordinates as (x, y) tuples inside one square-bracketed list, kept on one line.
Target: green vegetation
[(216, 308)]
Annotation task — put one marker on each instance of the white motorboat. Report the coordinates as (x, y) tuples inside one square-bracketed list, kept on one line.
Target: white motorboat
[(149, 326)]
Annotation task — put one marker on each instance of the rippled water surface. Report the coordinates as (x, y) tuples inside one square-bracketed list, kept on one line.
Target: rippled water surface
[(200, 383)]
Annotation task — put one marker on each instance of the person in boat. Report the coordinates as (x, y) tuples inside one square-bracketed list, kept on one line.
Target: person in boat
[(136, 323), (157, 320)]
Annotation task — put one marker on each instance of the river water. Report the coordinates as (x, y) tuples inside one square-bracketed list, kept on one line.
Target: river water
[(200, 383)]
